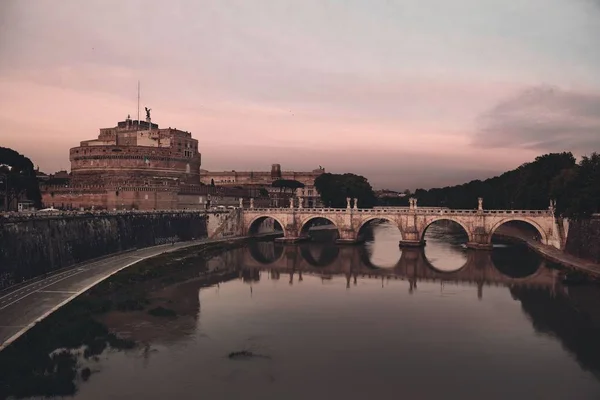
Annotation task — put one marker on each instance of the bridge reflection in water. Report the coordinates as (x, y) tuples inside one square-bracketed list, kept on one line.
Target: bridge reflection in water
[(326, 260)]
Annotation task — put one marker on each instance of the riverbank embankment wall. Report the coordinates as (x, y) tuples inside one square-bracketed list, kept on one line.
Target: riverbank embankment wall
[(583, 239), (30, 247)]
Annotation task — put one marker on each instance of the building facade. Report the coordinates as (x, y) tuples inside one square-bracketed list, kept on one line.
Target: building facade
[(255, 180), (136, 165)]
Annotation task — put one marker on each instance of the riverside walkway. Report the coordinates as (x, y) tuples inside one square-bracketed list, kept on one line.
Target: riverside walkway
[(553, 254), (24, 306)]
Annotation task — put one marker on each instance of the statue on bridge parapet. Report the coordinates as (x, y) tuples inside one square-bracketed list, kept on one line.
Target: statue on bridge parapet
[(355, 203), (241, 202), (412, 203), (347, 202), (300, 202), (252, 202), (480, 205), (552, 206), (291, 202)]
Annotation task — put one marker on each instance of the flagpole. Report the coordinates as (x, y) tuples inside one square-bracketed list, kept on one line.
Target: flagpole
[(138, 103)]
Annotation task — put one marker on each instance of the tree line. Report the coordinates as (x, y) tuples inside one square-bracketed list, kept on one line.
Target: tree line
[(17, 178), (574, 186)]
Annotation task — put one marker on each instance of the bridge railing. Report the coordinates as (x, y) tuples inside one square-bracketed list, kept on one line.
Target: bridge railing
[(24, 215), (420, 210)]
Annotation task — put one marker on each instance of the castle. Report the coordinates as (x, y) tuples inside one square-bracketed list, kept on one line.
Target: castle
[(136, 165)]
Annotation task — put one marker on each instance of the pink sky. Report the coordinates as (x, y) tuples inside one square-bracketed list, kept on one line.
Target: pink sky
[(407, 95)]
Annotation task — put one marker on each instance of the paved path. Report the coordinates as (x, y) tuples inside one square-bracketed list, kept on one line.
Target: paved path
[(26, 305), (554, 254)]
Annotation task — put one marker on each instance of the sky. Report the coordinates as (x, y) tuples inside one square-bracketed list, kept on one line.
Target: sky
[(411, 94)]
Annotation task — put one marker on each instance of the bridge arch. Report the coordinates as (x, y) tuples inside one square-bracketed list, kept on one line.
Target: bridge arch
[(446, 218), (304, 224), (259, 219), (538, 228), (367, 221)]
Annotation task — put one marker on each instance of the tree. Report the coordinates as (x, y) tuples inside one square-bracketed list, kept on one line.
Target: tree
[(526, 187), (285, 184), (335, 188), (18, 178), (578, 188)]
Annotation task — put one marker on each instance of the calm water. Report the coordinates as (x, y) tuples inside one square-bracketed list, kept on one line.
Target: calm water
[(350, 322)]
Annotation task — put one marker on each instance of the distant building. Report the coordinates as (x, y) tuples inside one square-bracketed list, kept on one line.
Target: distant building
[(134, 165), (385, 193), (254, 180)]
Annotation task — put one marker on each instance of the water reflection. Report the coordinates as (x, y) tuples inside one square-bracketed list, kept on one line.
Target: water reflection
[(445, 248), (325, 259), (381, 243), (388, 318)]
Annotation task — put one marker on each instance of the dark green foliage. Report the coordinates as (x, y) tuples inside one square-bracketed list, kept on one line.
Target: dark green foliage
[(335, 188), (285, 184), (527, 187), (579, 188), (575, 187), (21, 177)]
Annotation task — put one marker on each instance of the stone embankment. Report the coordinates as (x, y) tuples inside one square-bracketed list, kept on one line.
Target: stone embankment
[(555, 255), (34, 245), (583, 239)]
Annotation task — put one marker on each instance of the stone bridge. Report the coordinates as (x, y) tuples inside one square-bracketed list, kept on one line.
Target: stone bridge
[(479, 268), (412, 222)]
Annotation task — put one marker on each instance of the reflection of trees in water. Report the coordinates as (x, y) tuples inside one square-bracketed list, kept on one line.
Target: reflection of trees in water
[(573, 319)]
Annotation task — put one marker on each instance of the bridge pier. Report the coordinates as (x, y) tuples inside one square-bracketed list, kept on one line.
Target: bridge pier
[(347, 236), (411, 237)]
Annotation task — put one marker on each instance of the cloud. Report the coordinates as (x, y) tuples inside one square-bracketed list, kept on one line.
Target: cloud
[(543, 118)]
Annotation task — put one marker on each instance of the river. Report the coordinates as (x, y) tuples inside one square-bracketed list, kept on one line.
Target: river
[(319, 321)]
